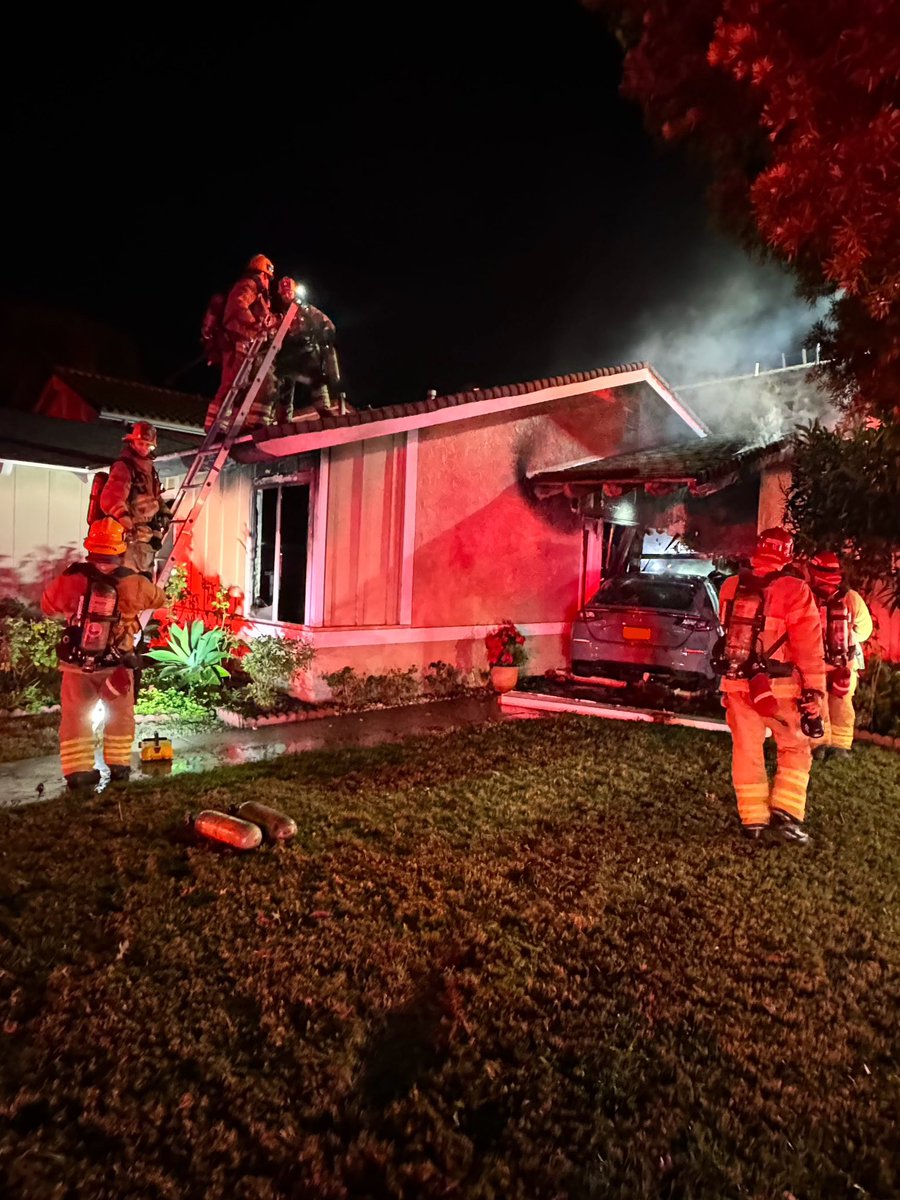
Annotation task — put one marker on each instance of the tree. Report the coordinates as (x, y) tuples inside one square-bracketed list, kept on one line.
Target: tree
[(794, 106), (845, 496)]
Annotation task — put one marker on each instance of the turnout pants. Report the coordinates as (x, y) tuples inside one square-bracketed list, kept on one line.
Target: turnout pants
[(80, 693), (260, 413), (756, 797), (840, 717)]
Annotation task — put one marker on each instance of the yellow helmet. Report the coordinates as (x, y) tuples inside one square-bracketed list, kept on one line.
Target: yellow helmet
[(105, 536), (263, 265)]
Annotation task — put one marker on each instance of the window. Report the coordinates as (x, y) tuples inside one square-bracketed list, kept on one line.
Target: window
[(636, 592), (281, 547)]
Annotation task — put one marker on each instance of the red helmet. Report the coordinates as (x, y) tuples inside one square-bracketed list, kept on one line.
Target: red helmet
[(777, 545), (262, 265), (825, 570), (141, 431)]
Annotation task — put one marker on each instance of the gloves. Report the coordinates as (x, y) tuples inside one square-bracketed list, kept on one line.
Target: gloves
[(126, 522), (117, 684), (811, 702)]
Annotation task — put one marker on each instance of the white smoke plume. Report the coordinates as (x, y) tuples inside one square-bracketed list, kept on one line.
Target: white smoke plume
[(737, 317)]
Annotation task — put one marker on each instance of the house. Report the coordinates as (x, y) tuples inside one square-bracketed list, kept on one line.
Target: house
[(48, 459), (398, 536)]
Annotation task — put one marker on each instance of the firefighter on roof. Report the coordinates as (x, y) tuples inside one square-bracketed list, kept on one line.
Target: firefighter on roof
[(307, 357), (132, 495), (846, 624), (101, 601), (245, 314), (773, 664)]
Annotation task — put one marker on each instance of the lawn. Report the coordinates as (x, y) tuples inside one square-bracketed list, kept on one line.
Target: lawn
[(520, 961)]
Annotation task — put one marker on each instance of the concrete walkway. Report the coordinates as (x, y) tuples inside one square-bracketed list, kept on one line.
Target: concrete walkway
[(21, 782)]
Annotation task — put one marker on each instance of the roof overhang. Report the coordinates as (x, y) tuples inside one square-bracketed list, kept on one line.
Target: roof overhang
[(125, 418), (624, 473), (250, 449)]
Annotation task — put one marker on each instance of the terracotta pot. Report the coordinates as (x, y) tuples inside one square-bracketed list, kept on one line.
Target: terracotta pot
[(504, 679)]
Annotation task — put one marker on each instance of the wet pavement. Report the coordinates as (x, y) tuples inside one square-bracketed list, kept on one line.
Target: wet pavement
[(33, 779)]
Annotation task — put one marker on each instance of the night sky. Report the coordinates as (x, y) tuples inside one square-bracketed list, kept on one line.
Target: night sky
[(465, 194)]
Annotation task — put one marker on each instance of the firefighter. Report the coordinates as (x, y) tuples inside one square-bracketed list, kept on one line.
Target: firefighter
[(133, 497), (846, 624), (773, 664), (101, 600), (307, 356), (247, 313)]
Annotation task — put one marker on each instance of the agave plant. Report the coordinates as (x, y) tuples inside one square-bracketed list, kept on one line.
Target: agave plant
[(193, 657)]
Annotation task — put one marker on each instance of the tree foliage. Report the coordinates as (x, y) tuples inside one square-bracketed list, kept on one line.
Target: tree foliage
[(845, 496), (795, 109)]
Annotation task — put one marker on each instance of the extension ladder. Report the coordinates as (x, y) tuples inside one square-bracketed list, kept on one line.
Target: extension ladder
[(212, 453)]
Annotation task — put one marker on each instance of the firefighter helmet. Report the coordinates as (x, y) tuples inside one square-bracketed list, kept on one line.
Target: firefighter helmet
[(105, 536), (776, 545), (262, 265), (825, 570), (141, 431)]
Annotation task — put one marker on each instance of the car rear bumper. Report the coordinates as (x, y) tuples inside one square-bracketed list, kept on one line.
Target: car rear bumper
[(590, 657)]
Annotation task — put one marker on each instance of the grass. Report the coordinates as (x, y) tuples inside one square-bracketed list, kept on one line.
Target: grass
[(524, 961)]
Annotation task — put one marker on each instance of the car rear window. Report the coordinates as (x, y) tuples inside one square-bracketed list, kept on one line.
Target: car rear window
[(645, 593)]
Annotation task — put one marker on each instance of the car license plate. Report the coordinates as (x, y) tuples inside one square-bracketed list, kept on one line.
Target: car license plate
[(635, 633)]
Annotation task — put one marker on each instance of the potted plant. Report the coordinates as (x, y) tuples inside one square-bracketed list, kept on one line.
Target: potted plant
[(506, 653)]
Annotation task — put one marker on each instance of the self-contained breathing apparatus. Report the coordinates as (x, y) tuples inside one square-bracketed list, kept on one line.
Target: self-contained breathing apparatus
[(740, 654), (838, 649), (88, 641)]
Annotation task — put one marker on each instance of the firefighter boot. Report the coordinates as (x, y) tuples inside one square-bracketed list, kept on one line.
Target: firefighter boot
[(119, 773), (82, 780), (788, 828), (753, 832)]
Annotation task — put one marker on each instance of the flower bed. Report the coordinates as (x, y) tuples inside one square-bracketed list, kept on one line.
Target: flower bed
[(304, 712)]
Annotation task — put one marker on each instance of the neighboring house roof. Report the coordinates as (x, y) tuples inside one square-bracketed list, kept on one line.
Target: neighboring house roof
[(119, 399), (703, 466), (334, 429), (33, 438)]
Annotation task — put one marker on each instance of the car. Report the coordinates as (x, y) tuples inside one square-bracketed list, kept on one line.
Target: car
[(649, 626)]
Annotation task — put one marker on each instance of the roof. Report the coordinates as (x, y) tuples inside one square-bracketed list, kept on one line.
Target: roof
[(81, 445), (703, 465), (124, 399), (335, 428)]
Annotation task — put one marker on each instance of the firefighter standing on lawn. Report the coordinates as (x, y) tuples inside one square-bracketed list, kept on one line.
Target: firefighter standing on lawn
[(774, 677), (846, 624), (101, 600), (246, 314), (132, 496)]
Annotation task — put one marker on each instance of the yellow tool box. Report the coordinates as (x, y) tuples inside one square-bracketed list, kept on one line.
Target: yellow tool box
[(156, 749)]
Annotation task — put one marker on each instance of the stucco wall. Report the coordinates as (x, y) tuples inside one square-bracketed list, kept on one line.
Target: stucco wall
[(221, 538), (485, 547), (365, 532), (42, 528)]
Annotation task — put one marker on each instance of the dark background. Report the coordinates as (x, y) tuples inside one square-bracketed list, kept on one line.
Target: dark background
[(462, 188)]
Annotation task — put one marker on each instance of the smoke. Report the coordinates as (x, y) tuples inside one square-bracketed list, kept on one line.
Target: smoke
[(733, 315)]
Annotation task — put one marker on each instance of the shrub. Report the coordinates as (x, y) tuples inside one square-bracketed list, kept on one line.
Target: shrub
[(272, 663), (193, 657), (443, 679), (29, 678), (878, 698), (153, 701), (393, 688)]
